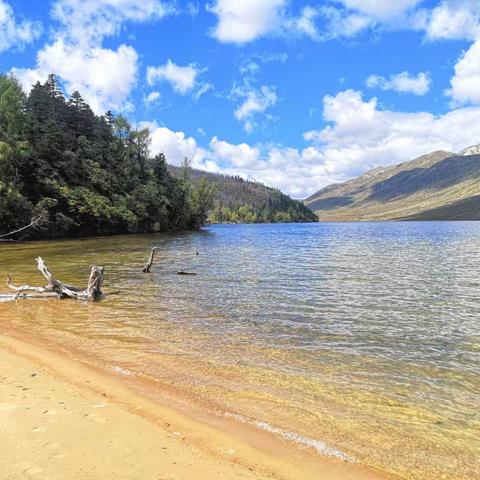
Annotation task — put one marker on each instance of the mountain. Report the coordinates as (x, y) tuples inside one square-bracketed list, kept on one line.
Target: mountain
[(245, 201), (438, 186)]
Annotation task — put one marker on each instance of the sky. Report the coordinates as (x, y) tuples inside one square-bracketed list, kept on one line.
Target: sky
[(295, 94)]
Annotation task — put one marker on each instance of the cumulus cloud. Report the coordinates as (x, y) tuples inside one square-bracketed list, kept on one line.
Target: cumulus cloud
[(465, 84), (453, 20), (175, 145), (402, 82), (90, 21), (238, 156), (13, 33), (242, 22), (183, 79), (104, 76)]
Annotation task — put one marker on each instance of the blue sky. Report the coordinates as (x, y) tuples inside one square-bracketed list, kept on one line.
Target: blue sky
[(296, 94)]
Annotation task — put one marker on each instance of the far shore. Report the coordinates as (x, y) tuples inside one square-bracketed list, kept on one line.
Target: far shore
[(61, 419)]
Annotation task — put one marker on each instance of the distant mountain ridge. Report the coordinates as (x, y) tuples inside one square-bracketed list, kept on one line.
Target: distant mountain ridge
[(246, 201), (438, 186)]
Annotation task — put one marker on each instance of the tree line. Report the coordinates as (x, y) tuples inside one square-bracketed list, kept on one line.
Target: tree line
[(86, 174)]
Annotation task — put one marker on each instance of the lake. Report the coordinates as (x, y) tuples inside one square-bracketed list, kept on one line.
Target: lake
[(359, 341)]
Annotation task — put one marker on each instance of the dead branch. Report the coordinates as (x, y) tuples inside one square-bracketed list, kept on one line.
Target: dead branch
[(148, 265), (33, 222), (62, 290), (24, 288)]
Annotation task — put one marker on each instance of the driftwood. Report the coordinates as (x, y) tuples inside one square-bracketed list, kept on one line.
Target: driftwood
[(148, 265), (93, 291)]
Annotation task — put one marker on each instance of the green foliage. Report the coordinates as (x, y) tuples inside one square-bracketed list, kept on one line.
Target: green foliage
[(91, 174)]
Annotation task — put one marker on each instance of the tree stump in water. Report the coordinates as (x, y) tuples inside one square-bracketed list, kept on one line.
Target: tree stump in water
[(148, 265), (93, 291)]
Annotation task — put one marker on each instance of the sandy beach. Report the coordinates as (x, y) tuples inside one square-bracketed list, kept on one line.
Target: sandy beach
[(60, 419)]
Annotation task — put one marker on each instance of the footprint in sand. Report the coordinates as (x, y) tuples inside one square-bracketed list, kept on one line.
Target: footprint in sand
[(54, 449), (33, 472), (94, 417), (38, 429)]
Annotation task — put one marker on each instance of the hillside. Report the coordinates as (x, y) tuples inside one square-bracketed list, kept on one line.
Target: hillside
[(84, 174), (243, 201), (438, 186)]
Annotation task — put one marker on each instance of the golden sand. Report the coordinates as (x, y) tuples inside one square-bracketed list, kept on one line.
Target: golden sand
[(62, 420)]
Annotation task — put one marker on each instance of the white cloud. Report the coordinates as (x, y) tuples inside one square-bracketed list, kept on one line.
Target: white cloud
[(152, 97), (305, 23), (175, 145), (453, 20), (104, 77), (350, 17), (465, 84), (341, 23), (402, 83), (253, 102), (15, 34), (243, 21), (183, 79), (381, 9), (90, 21), (237, 156)]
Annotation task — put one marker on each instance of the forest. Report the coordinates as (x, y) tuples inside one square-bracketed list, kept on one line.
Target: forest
[(245, 201), (82, 174)]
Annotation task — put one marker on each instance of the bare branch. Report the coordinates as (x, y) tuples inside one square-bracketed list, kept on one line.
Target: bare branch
[(24, 288), (33, 222)]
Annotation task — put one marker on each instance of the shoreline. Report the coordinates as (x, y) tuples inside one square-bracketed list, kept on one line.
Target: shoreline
[(104, 405)]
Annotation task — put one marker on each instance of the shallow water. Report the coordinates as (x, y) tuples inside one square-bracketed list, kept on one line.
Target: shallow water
[(356, 340)]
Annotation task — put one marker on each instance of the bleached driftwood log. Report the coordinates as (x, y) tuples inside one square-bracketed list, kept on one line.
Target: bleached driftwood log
[(148, 265), (60, 289)]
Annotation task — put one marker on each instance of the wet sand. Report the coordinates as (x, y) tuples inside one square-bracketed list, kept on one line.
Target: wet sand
[(60, 419)]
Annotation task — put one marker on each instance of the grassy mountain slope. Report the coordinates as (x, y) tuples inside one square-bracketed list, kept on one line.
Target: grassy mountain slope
[(438, 186), (244, 201)]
